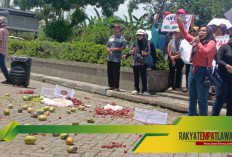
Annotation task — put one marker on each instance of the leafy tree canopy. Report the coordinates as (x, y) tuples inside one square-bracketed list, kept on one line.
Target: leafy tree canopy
[(204, 10), (52, 12), (47, 9)]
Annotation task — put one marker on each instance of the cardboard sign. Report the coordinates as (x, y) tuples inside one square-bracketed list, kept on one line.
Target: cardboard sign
[(61, 91), (170, 24), (220, 40), (150, 116)]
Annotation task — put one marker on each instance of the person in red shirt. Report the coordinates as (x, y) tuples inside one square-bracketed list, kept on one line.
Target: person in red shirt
[(203, 51), (4, 35)]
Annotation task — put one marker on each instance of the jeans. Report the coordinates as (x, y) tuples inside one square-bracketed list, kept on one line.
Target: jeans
[(113, 71), (223, 94), (197, 91), (3, 66), (143, 70)]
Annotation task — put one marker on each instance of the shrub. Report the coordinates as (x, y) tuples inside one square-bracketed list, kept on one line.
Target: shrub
[(80, 51), (15, 45), (161, 62)]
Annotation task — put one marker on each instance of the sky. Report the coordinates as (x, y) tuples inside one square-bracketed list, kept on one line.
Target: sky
[(121, 11)]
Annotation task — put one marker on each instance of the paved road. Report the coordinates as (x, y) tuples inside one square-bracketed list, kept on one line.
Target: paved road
[(89, 144)]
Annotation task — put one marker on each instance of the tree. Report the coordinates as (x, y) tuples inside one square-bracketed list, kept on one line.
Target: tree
[(47, 9), (205, 10), (54, 10), (59, 30), (153, 7)]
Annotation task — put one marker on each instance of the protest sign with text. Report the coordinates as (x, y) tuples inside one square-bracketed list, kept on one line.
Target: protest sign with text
[(220, 40), (170, 24)]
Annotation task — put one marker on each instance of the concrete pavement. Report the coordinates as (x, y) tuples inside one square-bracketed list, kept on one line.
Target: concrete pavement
[(89, 144), (166, 100)]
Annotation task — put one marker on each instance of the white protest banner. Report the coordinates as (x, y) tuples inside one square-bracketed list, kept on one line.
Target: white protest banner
[(61, 91), (150, 116), (170, 24), (220, 40)]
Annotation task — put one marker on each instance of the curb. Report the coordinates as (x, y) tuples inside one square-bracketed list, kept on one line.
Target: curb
[(154, 100)]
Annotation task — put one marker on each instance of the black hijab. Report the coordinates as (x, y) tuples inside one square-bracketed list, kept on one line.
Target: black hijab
[(205, 41), (141, 45)]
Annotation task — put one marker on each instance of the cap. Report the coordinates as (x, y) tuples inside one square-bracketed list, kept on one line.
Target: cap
[(177, 30), (181, 11), (116, 25), (140, 31), (166, 13), (3, 20)]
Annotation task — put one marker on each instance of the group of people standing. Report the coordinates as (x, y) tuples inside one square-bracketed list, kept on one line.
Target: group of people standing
[(140, 50), (195, 49), (203, 55)]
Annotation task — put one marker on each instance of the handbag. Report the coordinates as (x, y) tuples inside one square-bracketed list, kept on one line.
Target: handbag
[(150, 62), (212, 79), (139, 58)]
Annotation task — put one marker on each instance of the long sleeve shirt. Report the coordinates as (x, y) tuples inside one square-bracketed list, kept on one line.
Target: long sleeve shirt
[(204, 51), (224, 56)]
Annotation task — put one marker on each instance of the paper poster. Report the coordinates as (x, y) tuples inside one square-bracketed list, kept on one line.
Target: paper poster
[(170, 24), (220, 40)]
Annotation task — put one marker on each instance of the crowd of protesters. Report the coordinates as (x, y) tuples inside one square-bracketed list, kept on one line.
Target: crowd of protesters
[(195, 49)]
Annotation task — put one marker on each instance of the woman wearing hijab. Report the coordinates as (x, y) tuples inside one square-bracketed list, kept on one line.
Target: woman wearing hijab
[(175, 62), (221, 30), (203, 52), (224, 90), (139, 48)]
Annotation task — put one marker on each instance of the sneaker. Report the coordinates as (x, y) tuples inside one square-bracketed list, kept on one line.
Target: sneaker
[(145, 93), (135, 92)]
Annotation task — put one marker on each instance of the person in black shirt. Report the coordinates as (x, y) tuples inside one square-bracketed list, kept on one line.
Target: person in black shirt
[(224, 90)]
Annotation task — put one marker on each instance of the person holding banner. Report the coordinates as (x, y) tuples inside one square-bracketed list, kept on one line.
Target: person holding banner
[(204, 49), (224, 90)]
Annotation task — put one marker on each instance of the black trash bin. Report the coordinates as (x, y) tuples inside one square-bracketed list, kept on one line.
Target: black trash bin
[(20, 70)]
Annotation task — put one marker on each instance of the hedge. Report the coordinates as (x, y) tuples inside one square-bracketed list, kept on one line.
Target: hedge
[(79, 51)]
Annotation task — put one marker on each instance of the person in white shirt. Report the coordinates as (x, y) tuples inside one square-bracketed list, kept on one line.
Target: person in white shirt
[(185, 53)]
